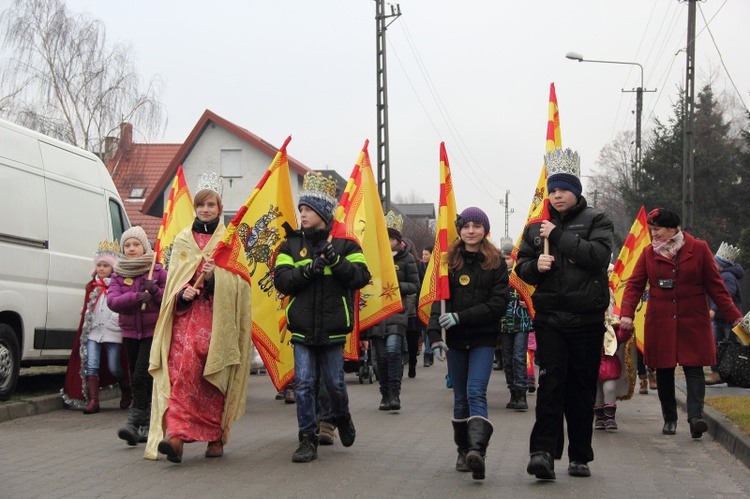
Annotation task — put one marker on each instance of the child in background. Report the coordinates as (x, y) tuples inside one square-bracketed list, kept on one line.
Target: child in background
[(130, 289), (99, 330)]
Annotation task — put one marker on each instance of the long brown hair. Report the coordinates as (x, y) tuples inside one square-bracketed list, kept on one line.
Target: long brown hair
[(492, 255)]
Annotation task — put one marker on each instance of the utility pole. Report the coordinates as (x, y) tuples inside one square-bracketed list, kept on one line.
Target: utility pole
[(508, 212), (688, 165), (384, 187)]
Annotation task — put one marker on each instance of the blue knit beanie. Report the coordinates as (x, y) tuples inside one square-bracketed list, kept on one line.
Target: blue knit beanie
[(473, 214), (565, 181)]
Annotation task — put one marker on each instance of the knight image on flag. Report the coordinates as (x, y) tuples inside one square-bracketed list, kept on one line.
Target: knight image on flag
[(540, 201), (178, 214), (359, 217), (435, 286), (249, 247), (637, 240)]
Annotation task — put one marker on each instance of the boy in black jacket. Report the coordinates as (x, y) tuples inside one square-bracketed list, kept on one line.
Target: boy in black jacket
[(321, 277)]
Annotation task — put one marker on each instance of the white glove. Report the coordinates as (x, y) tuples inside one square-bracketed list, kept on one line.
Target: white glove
[(448, 320), (438, 350)]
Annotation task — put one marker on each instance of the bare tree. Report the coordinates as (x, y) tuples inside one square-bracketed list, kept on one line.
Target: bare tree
[(62, 80)]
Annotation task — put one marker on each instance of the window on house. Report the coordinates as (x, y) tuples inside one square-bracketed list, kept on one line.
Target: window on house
[(231, 163), (137, 192)]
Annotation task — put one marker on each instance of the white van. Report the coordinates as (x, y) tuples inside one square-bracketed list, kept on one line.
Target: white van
[(58, 203)]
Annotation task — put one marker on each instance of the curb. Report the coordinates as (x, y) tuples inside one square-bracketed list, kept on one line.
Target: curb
[(43, 404), (722, 429)]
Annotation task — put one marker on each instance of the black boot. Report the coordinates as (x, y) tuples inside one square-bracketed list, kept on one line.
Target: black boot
[(480, 431), (144, 425), (394, 400), (428, 359), (512, 403), (521, 404), (347, 433), (541, 465), (461, 438), (413, 368), (385, 403), (129, 432), (308, 448)]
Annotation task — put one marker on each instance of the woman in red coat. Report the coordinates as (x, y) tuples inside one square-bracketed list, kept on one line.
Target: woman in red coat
[(680, 272)]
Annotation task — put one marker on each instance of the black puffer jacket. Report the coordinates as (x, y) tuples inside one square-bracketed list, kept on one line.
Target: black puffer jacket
[(575, 292), (321, 309), (408, 283), (480, 298)]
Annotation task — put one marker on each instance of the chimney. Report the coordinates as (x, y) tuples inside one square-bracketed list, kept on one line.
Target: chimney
[(110, 145), (126, 135)]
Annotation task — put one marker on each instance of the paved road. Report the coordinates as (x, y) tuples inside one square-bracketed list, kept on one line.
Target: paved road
[(406, 454)]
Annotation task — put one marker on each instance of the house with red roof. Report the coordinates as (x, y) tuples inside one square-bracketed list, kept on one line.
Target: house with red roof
[(143, 173)]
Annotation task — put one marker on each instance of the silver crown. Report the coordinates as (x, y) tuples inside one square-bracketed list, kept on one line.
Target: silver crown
[(212, 182), (393, 221), (559, 161), (728, 252)]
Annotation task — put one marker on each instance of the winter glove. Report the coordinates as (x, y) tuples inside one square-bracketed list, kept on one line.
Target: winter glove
[(438, 350), (327, 249), (143, 297), (150, 286), (448, 320), (319, 265)]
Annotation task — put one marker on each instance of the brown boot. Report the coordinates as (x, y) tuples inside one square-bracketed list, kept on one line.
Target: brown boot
[(652, 379), (172, 447), (92, 385), (713, 378), (644, 384), (215, 449), (126, 394)]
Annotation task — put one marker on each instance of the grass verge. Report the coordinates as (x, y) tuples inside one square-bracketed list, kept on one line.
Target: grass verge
[(735, 408)]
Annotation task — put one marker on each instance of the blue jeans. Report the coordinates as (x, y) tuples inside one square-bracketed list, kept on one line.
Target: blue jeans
[(388, 355), (328, 360), (470, 371), (426, 342), (515, 346), (93, 360)]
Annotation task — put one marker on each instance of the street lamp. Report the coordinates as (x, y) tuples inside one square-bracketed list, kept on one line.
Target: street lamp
[(575, 56)]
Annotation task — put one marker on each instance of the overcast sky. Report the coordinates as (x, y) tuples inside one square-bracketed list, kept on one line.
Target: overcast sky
[(472, 73)]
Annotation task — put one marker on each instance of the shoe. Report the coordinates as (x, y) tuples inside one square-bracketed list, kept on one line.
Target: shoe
[(289, 396), (172, 447), (215, 449), (429, 359), (279, 396), (385, 403), (413, 370), (479, 431), (394, 399), (576, 468), (609, 417), (461, 438), (129, 432), (652, 379), (347, 432), (599, 419), (521, 404), (307, 450), (326, 433), (512, 403), (643, 390), (670, 428), (448, 382), (92, 385), (126, 393), (541, 466), (531, 383), (713, 379), (697, 427)]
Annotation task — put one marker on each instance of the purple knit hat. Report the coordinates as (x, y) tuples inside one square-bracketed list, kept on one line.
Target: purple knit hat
[(473, 214)]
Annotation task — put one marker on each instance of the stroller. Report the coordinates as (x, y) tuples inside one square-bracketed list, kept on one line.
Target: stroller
[(363, 367)]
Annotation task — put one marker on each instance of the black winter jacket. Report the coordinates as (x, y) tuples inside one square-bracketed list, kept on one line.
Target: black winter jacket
[(408, 283), (575, 292), (321, 309), (480, 298)]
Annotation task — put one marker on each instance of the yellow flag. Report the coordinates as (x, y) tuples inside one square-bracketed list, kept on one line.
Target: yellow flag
[(178, 214)]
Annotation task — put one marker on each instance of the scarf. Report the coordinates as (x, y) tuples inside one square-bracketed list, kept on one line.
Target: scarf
[(669, 249), (133, 267), (205, 227)]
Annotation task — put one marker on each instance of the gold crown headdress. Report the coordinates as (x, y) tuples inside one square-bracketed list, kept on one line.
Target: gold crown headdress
[(563, 161), (728, 252), (318, 183), (108, 246), (212, 182), (393, 221)]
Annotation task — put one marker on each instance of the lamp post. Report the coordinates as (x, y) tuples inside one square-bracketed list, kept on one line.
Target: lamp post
[(575, 56)]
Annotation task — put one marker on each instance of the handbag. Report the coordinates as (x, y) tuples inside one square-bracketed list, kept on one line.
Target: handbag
[(733, 363)]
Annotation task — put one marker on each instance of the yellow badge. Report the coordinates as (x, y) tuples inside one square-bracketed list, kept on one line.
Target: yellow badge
[(464, 280), (127, 281), (397, 268), (303, 252), (183, 255)]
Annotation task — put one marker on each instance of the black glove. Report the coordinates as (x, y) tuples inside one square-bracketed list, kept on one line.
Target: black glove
[(150, 286), (319, 265), (326, 248), (143, 297)]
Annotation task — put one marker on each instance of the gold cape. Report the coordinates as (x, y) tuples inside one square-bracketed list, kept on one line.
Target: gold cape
[(228, 364)]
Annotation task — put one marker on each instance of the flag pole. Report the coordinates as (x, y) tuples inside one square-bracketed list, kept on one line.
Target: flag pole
[(150, 275)]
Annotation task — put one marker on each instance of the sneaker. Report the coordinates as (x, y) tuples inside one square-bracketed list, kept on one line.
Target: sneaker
[(307, 450), (577, 468), (289, 396), (347, 433), (326, 433)]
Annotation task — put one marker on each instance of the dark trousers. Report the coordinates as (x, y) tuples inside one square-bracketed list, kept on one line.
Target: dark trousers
[(568, 361), (412, 344), (141, 382), (696, 392)]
